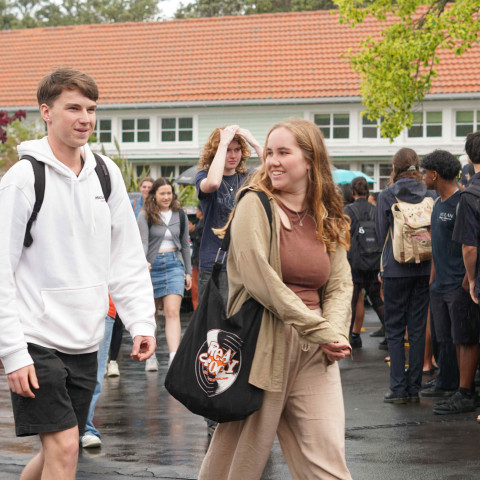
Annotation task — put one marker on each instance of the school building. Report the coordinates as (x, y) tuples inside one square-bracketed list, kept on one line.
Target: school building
[(164, 86)]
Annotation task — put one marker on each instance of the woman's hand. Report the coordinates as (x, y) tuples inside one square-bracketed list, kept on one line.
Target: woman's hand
[(336, 351), (188, 281), (227, 134), (149, 266)]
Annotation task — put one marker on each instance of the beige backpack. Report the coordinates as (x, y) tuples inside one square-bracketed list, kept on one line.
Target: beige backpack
[(411, 236)]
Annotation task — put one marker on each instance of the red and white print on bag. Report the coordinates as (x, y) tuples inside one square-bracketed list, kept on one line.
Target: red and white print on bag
[(218, 362)]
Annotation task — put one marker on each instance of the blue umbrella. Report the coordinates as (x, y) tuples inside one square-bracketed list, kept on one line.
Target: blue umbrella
[(341, 176)]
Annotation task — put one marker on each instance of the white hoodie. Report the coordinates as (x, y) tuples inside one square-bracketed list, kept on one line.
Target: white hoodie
[(55, 293)]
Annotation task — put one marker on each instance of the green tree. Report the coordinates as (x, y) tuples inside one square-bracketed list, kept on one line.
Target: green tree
[(38, 13), (220, 8), (397, 70)]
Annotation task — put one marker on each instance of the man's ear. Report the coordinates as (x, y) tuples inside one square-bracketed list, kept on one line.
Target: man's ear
[(45, 112)]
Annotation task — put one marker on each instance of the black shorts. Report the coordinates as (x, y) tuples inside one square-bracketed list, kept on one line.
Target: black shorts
[(66, 386), (455, 316)]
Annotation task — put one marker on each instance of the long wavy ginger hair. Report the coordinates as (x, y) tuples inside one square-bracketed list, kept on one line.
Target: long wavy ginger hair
[(211, 147), (323, 198)]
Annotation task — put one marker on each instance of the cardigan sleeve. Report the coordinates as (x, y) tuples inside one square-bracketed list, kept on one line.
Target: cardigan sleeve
[(186, 255), (337, 294), (249, 250)]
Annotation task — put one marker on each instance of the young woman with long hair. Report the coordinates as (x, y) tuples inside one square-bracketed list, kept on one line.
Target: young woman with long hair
[(167, 250), (297, 269), (405, 285)]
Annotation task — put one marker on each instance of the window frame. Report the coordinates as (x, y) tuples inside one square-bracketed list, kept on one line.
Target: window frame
[(136, 130), (177, 130), (475, 122), (424, 125), (97, 131), (332, 125)]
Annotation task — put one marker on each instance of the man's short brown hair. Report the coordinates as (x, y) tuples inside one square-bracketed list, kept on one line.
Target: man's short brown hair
[(51, 86)]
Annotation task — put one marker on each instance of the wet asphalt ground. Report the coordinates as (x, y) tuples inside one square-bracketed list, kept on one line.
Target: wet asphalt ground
[(148, 434)]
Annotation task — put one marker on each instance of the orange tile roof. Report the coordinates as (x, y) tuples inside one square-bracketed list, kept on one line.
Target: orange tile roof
[(270, 56)]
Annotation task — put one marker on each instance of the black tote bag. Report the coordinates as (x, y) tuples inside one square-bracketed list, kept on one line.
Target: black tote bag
[(209, 373)]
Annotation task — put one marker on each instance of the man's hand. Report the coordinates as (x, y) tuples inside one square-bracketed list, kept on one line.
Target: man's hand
[(143, 348), (472, 291), (22, 381)]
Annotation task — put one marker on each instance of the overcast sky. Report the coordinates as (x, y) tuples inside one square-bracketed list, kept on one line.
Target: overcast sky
[(169, 7)]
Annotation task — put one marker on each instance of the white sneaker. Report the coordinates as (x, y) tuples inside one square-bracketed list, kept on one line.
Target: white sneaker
[(151, 364), (112, 369), (90, 441)]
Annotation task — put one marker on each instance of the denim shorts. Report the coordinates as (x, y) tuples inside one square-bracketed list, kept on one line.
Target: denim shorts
[(66, 386), (168, 275)]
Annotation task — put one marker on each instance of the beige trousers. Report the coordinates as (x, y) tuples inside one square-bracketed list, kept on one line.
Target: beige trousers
[(308, 416)]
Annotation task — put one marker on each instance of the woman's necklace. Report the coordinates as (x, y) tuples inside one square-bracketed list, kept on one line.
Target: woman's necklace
[(229, 187), (301, 218)]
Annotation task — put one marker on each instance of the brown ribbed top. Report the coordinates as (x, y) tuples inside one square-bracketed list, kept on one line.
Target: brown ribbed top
[(305, 263)]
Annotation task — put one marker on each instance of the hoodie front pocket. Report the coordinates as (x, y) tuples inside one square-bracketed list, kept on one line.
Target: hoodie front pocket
[(73, 318)]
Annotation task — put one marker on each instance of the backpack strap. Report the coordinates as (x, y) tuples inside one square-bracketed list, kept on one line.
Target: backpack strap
[(104, 176), (356, 212), (39, 173)]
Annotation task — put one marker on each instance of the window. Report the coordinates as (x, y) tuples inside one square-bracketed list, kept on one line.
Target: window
[(142, 171), (426, 124), (467, 122), (168, 171), (371, 128), (333, 125), (368, 169), (136, 130), (384, 170), (103, 131), (177, 129)]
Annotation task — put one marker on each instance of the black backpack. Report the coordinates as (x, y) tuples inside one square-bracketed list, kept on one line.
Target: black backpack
[(39, 173), (365, 251)]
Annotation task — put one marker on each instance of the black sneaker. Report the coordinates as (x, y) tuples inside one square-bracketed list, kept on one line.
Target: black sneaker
[(356, 342), (383, 345), (395, 398), (429, 384), (378, 333), (436, 392), (457, 403)]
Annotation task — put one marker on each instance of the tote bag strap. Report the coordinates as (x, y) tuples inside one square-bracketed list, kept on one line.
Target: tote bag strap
[(223, 250)]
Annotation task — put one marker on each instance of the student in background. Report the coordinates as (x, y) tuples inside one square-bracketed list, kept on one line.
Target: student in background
[(405, 285), (364, 255), (144, 187), (167, 249), (196, 232)]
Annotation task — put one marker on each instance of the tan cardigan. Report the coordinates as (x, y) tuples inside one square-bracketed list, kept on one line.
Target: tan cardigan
[(254, 270)]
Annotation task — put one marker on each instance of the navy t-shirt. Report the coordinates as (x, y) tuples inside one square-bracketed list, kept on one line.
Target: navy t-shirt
[(447, 253), (467, 226), (216, 207)]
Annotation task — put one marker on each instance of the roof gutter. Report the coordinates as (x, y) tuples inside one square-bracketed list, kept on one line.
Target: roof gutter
[(256, 102)]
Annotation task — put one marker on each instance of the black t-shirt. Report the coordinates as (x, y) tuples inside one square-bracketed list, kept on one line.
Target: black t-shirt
[(216, 208), (447, 253), (467, 225)]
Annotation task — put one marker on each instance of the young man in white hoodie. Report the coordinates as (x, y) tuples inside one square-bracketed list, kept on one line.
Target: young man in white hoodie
[(54, 294)]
